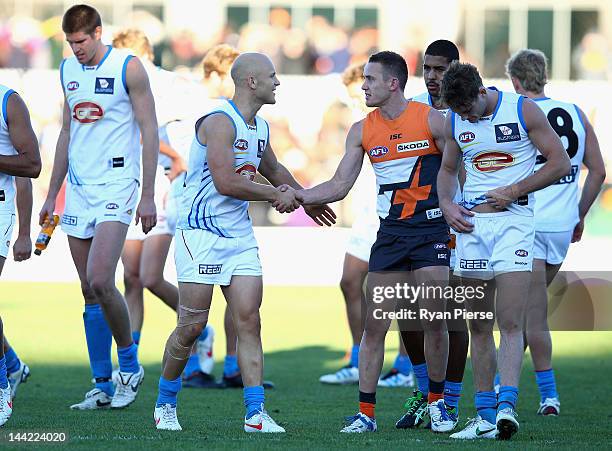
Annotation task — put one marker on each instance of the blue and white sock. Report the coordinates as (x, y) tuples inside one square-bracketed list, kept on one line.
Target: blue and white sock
[(99, 341), (546, 384), (452, 394), (354, 362), (507, 397), (253, 400), (420, 371), (402, 364), (486, 405), (230, 365), (128, 359), (168, 391)]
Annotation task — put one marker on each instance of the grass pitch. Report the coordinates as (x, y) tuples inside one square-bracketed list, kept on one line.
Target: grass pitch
[(305, 334)]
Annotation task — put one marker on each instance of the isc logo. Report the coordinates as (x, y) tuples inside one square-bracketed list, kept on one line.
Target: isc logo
[(492, 161), (466, 137), (247, 170), (87, 112), (414, 145)]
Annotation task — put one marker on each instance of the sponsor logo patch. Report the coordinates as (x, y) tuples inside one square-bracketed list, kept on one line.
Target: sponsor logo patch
[(87, 112), (521, 253), (473, 264), (261, 147), (69, 220), (241, 144), (433, 213), (209, 269), (378, 151), (105, 85), (395, 136), (72, 85), (443, 256), (117, 162), (2, 196), (507, 132), (440, 246), (247, 170), (466, 137), (521, 263), (492, 161), (112, 206), (413, 145)]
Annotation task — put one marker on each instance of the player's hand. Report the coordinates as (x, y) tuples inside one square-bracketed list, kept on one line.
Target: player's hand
[(455, 217), (22, 249), (287, 199), (46, 212), (577, 235), (323, 215), (178, 167), (500, 198), (146, 213)]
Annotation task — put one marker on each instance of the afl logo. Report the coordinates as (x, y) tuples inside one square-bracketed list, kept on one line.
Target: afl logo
[(87, 112), (378, 151), (247, 170), (241, 144), (492, 161), (73, 86), (521, 253), (466, 137)]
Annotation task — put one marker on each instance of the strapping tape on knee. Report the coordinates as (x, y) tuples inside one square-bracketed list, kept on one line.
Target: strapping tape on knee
[(189, 316), (175, 349)]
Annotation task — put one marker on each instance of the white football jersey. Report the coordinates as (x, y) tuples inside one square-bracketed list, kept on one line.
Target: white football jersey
[(104, 135), (7, 182), (201, 205), (496, 152), (556, 207)]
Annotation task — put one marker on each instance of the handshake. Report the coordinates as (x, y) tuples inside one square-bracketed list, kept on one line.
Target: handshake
[(287, 199)]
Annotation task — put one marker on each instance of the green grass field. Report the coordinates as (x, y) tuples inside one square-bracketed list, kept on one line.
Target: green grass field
[(305, 334)]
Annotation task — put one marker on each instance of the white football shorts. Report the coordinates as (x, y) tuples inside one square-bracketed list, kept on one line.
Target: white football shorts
[(552, 246), (7, 222), (500, 243), (204, 257), (363, 235)]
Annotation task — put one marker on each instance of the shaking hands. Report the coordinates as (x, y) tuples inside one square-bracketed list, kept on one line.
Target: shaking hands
[(288, 199)]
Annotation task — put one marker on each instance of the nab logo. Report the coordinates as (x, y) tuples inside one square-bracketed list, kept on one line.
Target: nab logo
[(492, 161), (87, 112), (72, 86), (414, 145), (247, 170), (378, 151), (521, 253), (466, 137), (105, 85), (507, 132), (241, 144), (395, 136)]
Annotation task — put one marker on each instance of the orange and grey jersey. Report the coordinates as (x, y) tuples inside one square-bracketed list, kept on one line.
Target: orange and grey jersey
[(7, 182), (406, 162), (104, 135), (496, 152), (556, 206)]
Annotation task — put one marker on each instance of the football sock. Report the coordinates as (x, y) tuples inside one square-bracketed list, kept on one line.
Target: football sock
[(230, 365), (136, 337), (452, 393), (436, 391), (203, 334), (402, 364), (355, 356), (367, 403), (420, 371), (99, 341), (546, 384), (168, 390), (12, 361), (507, 397), (128, 358), (486, 404), (253, 400), (193, 365), (3, 379)]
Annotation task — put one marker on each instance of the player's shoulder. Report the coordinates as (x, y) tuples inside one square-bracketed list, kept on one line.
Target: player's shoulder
[(422, 98), (121, 53)]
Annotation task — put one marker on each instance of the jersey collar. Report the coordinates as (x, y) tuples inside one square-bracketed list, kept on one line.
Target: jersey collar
[(108, 50)]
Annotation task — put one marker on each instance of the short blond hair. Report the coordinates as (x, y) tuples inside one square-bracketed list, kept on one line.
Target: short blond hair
[(219, 59), (134, 39), (353, 74), (530, 67)]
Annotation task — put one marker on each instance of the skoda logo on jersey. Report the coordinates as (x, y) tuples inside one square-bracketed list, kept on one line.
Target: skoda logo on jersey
[(72, 85), (378, 151), (492, 161), (247, 170), (112, 206), (414, 145), (466, 137), (105, 85), (241, 144), (507, 132), (521, 253), (87, 112)]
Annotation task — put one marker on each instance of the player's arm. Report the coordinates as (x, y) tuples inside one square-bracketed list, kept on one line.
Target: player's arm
[(447, 182), (436, 127), (347, 172), (218, 134), (27, 161), (178, 164), (143, 106), (278, 175), (22, 249), (595, 177), (60, 166), (548, 143)]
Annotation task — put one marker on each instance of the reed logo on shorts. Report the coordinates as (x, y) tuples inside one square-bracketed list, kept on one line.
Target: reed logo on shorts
[(209, 269), (473, 264), (69, 220)]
